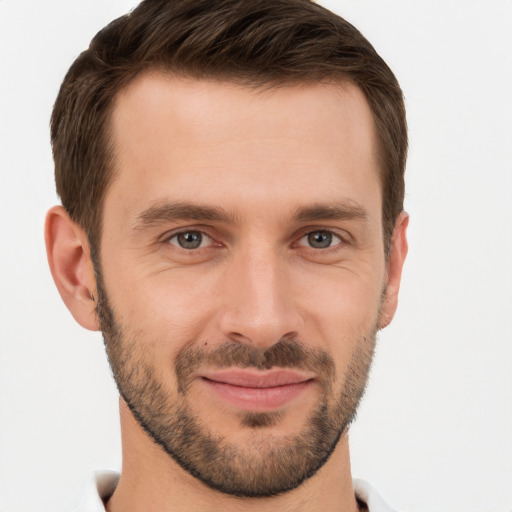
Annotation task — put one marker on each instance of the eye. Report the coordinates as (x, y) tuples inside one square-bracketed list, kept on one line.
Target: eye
[(320, 239), (190, 239)]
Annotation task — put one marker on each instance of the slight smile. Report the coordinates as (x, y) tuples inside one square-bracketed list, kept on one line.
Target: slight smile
[(258, 390)]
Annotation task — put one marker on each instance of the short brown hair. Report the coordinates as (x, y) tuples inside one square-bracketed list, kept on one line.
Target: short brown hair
[(251, 42)]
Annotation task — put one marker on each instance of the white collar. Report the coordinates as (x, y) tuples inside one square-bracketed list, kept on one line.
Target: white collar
[(366, 493), (100, 486)]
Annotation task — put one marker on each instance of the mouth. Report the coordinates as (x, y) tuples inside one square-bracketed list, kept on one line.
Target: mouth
[(254, 390)]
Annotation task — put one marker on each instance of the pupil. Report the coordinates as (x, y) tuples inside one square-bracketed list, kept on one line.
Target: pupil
[(190, 240), (320, 239)]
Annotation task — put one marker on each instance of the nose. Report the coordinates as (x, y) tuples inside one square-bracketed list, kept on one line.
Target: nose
[(259, 303)]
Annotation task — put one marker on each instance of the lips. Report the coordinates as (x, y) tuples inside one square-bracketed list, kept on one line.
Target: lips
[(257, 390)]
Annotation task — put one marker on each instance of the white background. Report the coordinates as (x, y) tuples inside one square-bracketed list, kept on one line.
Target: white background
[(435, 429)]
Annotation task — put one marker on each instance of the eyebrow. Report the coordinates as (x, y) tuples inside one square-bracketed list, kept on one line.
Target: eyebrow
[(334, 211), (171, 212)]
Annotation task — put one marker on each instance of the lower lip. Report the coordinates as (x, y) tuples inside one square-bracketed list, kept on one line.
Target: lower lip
[(258, 399)]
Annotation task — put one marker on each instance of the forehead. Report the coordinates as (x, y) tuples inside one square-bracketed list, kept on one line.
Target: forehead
[(187, 105), (172, 135)]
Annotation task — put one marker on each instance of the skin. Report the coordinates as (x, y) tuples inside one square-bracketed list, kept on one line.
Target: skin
[(261, 157)]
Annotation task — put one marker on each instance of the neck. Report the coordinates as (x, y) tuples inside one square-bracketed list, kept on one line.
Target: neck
[(151, 481)]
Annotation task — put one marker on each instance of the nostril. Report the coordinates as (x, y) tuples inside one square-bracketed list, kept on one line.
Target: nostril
[(238, 337)]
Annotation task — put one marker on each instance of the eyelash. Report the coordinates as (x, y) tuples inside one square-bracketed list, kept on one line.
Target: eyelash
[(191, 232), (331, 235), (335, 237)]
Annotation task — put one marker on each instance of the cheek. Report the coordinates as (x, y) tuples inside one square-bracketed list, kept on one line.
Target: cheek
[(169, 308), (344, 310)]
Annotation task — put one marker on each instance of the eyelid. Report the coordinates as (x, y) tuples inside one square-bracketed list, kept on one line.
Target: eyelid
[(344, 236), (334, 244), (204, 230), (206, 240)]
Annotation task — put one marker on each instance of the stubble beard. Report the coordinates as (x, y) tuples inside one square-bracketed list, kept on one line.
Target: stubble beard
[(268, 465)]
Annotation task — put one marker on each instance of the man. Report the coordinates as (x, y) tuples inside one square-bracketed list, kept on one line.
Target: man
[(231, 175)]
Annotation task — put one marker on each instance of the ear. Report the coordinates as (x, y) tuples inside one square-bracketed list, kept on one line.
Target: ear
[(70, 263), (397, 254)]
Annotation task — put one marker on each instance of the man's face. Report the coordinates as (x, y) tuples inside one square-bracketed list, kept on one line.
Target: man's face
[(243, 272)]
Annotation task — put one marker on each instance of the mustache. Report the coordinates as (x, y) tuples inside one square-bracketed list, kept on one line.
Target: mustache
[(286, 353)]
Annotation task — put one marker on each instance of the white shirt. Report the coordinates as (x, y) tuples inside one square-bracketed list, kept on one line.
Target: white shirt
[(102, 484)]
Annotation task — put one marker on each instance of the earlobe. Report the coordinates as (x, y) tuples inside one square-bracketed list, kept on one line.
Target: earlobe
[(68, 254), (397, 255)]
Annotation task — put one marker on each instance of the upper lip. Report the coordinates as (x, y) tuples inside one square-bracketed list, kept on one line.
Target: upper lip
[(258, 378)]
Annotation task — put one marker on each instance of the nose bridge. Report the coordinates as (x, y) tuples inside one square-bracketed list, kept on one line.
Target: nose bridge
[(259, 305)]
